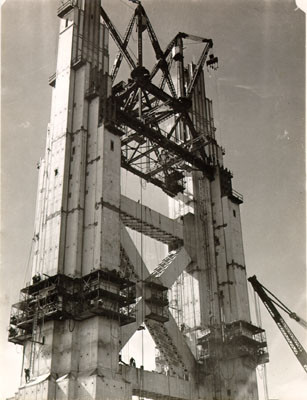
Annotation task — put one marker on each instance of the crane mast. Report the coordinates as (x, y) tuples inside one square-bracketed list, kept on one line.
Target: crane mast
[(291, 339)]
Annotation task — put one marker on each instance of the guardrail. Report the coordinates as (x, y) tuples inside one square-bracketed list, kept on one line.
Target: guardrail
[(237, 195), (52, 79)]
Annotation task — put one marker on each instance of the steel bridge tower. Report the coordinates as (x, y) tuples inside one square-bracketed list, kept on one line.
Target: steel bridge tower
[(90, 288)]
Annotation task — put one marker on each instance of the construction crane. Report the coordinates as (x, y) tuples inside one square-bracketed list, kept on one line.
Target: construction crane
[(270, 302)]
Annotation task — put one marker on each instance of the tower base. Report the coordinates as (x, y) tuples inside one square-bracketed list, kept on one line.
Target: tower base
[(90, 386)]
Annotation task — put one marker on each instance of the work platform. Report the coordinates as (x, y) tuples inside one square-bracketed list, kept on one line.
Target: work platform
[(61, 297)]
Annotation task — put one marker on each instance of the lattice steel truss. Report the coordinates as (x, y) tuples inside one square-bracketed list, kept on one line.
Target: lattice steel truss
[(160, 141)]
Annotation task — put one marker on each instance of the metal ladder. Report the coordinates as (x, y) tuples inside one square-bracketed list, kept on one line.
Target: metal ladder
[(162, 266), (33, 340)]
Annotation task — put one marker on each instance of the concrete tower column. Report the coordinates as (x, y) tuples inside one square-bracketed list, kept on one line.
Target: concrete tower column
[(213, 238), (77, 233)]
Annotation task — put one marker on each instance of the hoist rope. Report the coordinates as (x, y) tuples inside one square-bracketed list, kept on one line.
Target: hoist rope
[(131, 8)]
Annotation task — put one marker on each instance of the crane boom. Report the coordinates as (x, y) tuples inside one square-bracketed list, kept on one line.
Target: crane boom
[(292, 340), (298, 319)]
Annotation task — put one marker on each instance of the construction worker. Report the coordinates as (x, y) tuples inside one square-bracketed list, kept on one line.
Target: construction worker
[(121, 361), (27, 374), (12, 331), (132, 362)]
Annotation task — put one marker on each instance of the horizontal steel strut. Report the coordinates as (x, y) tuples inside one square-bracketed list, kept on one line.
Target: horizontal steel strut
[(149, 117)]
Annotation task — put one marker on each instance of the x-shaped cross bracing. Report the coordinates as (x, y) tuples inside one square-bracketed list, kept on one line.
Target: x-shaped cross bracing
[(168, 338), (155, 121)]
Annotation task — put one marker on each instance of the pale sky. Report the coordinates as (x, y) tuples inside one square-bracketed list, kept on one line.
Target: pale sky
[(259, 108)]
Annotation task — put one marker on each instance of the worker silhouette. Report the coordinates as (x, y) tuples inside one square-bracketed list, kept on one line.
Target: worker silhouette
[(27, 374), (121, 361), (132, 362)]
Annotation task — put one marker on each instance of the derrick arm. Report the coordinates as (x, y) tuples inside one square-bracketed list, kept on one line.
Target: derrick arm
[(292, 340), (122, 46), (199, 66), (298, 319), (120, 56)]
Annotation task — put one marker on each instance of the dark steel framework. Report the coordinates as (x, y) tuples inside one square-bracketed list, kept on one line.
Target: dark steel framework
[(160, 142)]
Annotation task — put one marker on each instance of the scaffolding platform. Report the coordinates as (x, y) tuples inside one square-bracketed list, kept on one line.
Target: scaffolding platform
[(52, 80), (60, 297), (65, 7), (238, 339), (157, 301)]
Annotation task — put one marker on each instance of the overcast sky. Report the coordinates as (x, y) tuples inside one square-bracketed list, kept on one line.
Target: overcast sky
[(259, 106)]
